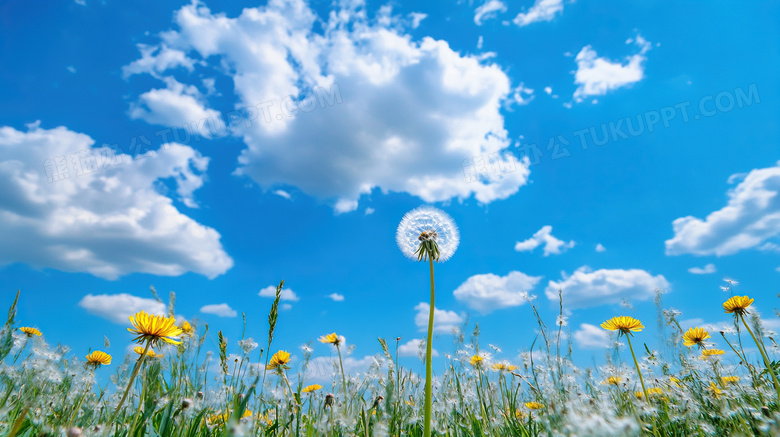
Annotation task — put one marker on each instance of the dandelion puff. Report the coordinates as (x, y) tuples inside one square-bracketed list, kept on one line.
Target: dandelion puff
[(427, 222)]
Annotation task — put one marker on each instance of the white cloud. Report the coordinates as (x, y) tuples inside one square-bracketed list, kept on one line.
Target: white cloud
[(75, 208), (221, 310), (71, 69), (542, 10), (403, 116), (548, 90), (282, 193), (336, 297), (586, 288), (176, 105), (709, 268), (156, 59), (285, 306), (591, 337), (487, 293), (443, 321), (119, 307), (412, 348), (369, 211), (750, 220), (270, 291), (544, 236), (417, 18), (600, 248), (522, 95), (596, 76), (488, 10)]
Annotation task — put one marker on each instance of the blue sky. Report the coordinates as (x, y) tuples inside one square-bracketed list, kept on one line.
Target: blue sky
[(495, 112)]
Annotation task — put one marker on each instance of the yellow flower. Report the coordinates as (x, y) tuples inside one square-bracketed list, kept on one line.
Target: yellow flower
[(675, 381), (624, 324), (695, 336), (311, 388), (279, 360), (30, 331), (501, 367), (729, 379), (330, 338), (98, 358), (650, 391), (737, 304), (714, 389), (150, 353), (220, 418), (154, 328), (711, 352), (612, 380), (476, 360), (186, 328), (534, 405)]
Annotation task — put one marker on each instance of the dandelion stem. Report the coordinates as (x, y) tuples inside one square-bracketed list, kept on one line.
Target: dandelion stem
[(428, 351), (638, 371), (343, 376), (132, 377), (767, 363)]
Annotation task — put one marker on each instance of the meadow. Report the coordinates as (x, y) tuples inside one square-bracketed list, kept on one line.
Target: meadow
[(168, 386)]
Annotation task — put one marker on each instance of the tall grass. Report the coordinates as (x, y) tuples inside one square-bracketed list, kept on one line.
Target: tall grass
[(189, 393)]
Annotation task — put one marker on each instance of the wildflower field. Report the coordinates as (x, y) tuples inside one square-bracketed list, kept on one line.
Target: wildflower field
[(165, 389)]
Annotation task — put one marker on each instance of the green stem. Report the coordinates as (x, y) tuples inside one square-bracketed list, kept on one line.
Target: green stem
[(132, 377), (636, 363), (428, 359), (767, 363), (343, 376)]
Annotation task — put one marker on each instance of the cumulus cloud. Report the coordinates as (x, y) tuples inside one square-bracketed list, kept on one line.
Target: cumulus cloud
[(709, 268), (544, 236), (443, 321), (221, 310), (542, 10), (415, 348), (157, 59), (372, 107), (119, 307), (586, 288), (596, 76), (600, 248), (176, 105), (488, 10), (591, 337), (336, 297), (750, 220), (488, 292), (71, 207), (287, 293)]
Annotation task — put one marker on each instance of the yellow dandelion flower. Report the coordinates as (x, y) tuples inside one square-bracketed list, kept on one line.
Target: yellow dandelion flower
[(714, 390), (330, 338), (729, 379), (311, 388), (186, 328), (279, 360), (98, 358), (675, 381), (154, 328), (221, 418), (654, 391), (476, 360), (695, 336), (706, 353), (502, 367), (612, 380), (150, 353), (624, 324), (30, 331), (534, 405), (737, 304)]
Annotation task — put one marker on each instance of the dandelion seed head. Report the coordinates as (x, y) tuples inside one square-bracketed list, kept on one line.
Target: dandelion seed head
[(427, 223)]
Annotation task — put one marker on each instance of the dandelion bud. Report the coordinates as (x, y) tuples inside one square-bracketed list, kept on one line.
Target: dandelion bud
[(765, 411), (329, 400), (74, 432), (199, 395), (186, 402)]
